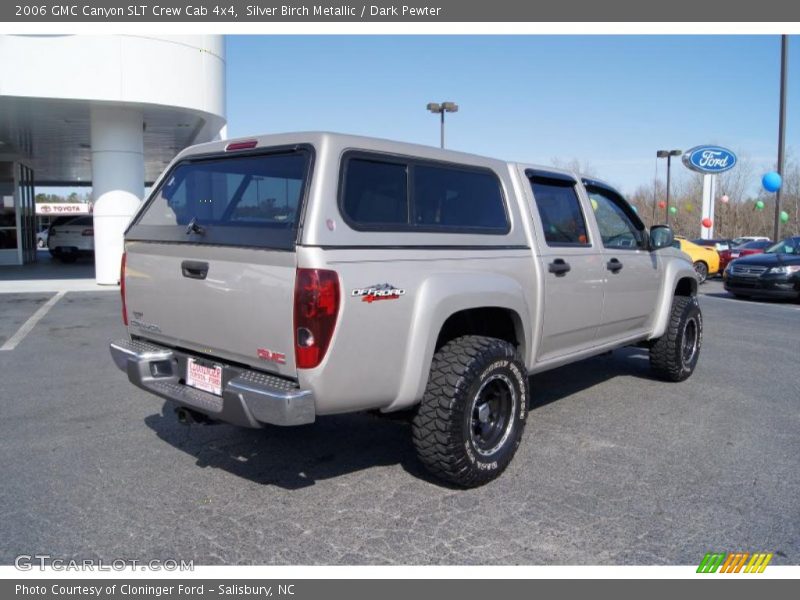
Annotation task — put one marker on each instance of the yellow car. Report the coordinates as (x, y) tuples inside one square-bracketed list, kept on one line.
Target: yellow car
[(705, 260)]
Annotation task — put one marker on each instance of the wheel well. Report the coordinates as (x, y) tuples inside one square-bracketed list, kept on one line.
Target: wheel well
[(501, 323), (686, 287)]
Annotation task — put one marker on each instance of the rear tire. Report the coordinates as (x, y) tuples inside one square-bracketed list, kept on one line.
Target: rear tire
[(701, 269), (470, 422), (673, 356)]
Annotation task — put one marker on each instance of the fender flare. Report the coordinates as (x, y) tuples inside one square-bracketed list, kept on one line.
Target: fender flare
[(674, 272), (439, 297)]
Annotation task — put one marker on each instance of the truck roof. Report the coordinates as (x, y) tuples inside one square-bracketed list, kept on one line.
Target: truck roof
[(344, 141), (322, 138)]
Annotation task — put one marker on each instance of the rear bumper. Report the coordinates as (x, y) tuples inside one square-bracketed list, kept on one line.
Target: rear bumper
[(67, 249), (249, 398)]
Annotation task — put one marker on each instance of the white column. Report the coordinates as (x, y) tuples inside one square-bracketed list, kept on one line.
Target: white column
[(117, 182), (709, 191)]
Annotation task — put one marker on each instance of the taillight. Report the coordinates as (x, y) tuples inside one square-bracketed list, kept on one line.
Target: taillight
[(87, 233), (122, 289), (248, 145), (316, 306)]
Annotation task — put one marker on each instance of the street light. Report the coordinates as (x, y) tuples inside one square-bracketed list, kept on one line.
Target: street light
[(668, 154), (442, 108)]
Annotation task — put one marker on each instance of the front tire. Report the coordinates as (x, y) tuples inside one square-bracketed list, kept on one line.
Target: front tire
[(673, 356), (701, 269), (470, 422)]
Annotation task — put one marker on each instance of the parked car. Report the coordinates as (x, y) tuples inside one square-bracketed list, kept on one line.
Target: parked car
[(723, 248), (748, 248), (774, 273), (740, 241), (420, 279), (72, 238), (704, 260)]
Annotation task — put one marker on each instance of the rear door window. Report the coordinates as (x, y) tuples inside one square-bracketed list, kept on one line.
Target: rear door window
[(560, 211), (251, 200)]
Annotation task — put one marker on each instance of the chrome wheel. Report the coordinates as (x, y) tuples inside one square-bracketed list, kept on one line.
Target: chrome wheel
[(702, 271), (691, 336), (492, 414)]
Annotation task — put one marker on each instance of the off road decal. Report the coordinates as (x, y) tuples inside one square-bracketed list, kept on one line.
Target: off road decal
[(372, 293)]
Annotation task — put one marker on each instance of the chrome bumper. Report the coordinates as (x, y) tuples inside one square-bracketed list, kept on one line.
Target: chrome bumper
[(249, 398)]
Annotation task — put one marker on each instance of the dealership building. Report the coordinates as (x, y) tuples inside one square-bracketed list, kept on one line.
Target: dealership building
[(108, 112)]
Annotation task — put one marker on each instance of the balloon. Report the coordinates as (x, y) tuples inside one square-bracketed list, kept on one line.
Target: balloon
[(725, 199), (706, 223), (771, 181), (672, 210), (662, 204), (689, 207), (594, 204), (760, 205), (784, 217)]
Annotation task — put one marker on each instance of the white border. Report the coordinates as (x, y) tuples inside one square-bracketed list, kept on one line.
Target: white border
[(372, 28)]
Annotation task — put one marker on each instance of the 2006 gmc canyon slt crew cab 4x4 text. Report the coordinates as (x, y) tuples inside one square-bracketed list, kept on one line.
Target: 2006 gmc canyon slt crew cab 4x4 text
[(274, 279)]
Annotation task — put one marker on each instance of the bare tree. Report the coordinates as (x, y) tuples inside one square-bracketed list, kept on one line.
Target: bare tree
[(575, 165)]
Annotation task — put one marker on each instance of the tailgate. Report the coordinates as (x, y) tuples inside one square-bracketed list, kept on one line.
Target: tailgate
[(241, 311), (210, 263)]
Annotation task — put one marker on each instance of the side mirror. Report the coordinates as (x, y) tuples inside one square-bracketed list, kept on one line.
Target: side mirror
[(661, 236)]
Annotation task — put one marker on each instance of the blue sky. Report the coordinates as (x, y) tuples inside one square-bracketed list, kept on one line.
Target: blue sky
[(610, 101)]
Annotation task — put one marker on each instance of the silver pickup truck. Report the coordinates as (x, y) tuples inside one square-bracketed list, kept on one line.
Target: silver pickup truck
[(274, 279)]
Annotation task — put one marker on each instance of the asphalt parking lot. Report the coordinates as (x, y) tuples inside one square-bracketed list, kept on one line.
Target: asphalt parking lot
[(615, 468)]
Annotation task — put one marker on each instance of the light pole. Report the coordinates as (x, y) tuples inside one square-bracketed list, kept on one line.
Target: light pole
[(668, 154), (776, 230), (442, 108)]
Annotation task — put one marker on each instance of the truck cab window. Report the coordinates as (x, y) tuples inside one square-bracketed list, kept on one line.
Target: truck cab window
[(560, 212)]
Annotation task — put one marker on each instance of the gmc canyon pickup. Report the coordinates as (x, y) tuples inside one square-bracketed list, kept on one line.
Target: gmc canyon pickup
[(273, 279)]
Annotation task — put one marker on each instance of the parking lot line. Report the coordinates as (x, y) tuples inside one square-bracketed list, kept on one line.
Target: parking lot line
[(28, 325)]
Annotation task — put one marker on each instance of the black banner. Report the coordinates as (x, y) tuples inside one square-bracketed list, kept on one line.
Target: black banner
[(403, 589), (406, 11)]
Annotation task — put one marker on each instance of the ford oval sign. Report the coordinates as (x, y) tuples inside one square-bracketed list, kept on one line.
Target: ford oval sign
[(709, 159)]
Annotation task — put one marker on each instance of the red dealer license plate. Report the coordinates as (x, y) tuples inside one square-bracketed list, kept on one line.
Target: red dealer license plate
[(204, 377)]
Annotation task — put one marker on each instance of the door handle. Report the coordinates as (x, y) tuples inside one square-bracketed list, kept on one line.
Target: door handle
[(194, 269), (614, 265), (559, 266)]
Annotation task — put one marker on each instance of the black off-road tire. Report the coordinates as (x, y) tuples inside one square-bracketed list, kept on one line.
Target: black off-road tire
[(701, 269), (471, 419), (673, 356)]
